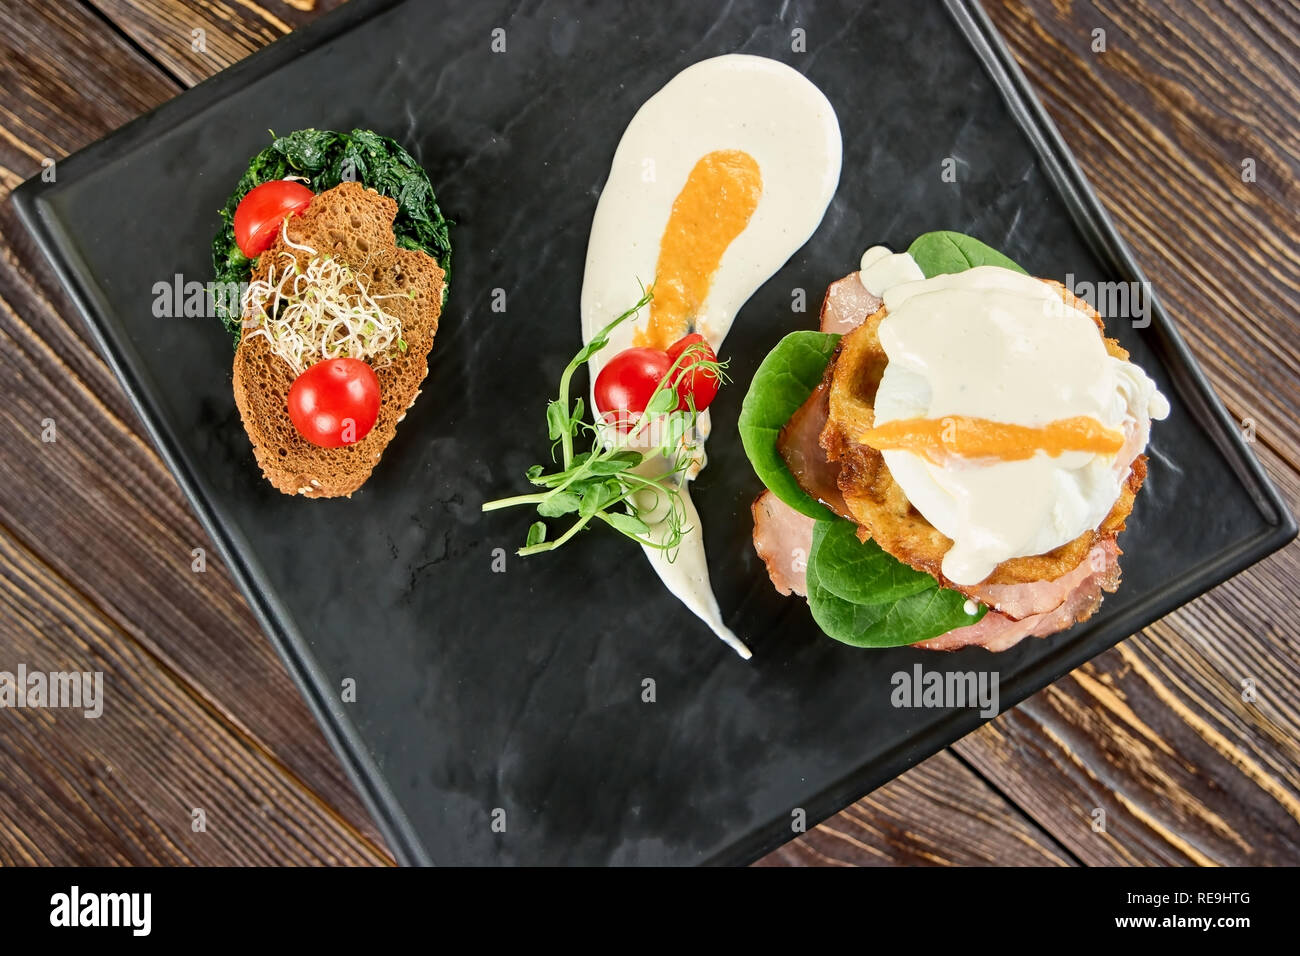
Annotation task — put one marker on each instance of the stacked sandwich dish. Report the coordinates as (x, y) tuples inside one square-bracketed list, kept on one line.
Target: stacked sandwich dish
[(950, 459)]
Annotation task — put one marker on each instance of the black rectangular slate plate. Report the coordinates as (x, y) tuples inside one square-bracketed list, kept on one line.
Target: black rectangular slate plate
[(478, 691)]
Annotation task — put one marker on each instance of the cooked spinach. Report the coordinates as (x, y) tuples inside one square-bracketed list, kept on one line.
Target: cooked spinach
[(326, 158)]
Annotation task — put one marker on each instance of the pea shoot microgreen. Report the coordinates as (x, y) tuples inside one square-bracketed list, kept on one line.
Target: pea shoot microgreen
[(630, 478)]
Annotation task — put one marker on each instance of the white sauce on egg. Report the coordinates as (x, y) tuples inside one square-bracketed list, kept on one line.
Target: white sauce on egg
[(994, 344), (735, 102)]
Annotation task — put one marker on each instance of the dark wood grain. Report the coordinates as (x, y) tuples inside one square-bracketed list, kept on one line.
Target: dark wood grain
[(44, 94), (1161, 122), (939, 813), (1155, 732), (194, 40), (97, 506), (124, 787)]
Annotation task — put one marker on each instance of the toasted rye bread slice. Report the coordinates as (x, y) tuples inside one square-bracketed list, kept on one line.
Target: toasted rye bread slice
[(354, 224), (880, 507)]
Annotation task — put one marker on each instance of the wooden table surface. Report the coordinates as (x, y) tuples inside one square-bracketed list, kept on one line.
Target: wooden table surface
[(95, 537)]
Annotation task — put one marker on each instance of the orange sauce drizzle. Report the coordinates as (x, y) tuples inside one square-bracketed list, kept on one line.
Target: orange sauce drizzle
[(713, 208), (936, 438)]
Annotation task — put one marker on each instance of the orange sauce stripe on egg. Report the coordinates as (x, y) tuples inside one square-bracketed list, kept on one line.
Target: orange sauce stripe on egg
[(937, 438), (713, 208)]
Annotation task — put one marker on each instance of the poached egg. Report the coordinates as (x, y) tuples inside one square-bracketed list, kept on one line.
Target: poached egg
[(1000, 413)]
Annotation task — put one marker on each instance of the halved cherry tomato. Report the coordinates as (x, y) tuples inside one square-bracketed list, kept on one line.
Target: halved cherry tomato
[(702, 384), (624, 386), (335, 402), (260, 212)]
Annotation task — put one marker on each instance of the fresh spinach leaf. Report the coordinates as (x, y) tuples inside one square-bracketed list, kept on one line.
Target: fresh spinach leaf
[(326, 158), (838, 618), (944, 253), (916, 617), (860, 572), (782, 383)]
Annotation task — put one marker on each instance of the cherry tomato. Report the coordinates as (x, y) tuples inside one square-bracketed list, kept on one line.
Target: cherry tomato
[(624, 386), (700, 383), (260, 212), (335, 402)]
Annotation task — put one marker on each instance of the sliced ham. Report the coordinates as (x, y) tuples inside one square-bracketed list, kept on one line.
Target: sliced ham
[(800, 445), (997, 632), (1020, 601), (847, 305), (782, 538)]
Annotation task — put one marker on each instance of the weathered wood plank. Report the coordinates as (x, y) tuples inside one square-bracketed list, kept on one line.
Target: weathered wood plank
[(939, 813), (193, 41), (96, 505), (123, 787), (1162, 122), (1159, 732), (43, 96)]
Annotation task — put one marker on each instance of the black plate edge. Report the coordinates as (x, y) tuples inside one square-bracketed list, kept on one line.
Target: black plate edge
[(1095, 224), (1085, 209), (58, 249)]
